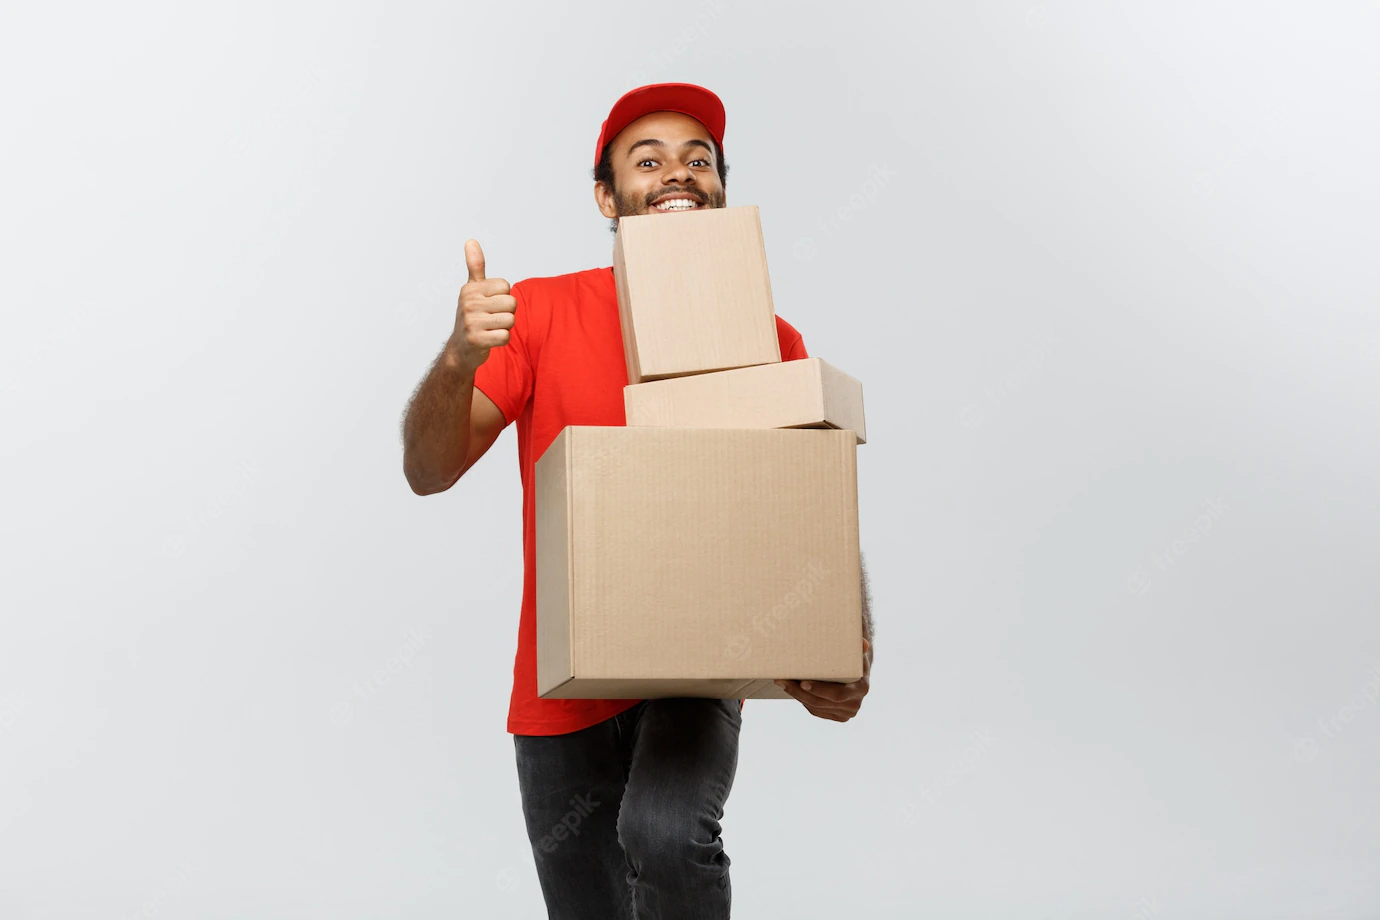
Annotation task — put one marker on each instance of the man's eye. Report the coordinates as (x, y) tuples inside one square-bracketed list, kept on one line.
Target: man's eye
[(692, 162)]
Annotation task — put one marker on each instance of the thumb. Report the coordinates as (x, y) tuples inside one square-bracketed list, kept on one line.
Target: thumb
[(474, 260)]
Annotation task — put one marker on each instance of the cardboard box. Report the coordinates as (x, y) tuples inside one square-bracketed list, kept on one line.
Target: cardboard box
[(693, 293), (696, 562), (809, 393)]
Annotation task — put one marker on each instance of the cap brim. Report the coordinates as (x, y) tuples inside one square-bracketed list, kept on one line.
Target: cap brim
[(685, 98)]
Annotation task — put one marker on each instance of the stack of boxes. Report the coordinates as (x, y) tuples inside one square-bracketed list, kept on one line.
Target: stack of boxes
[(711, 546)]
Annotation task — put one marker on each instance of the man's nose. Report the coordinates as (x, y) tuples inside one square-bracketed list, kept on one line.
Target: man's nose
[(678, 172)]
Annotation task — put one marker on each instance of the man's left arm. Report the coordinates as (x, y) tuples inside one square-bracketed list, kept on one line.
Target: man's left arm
[(829, 699)]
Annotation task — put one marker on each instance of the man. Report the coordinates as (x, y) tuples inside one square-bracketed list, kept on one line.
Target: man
[(622, 798)]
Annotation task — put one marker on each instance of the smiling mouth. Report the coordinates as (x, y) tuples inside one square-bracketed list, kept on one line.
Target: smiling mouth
[(666, 205)]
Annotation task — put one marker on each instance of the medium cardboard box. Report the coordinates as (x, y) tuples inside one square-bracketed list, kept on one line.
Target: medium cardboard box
[(809, 393), (693, 293), (696, 562)]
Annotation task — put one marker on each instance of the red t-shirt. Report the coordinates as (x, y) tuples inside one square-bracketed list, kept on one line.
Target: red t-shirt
[(563, 365)]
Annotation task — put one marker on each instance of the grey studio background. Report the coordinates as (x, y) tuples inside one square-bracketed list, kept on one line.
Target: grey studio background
[(1106, 271)]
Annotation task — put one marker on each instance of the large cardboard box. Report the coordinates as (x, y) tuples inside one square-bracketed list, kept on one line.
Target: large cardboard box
[(809, 393), (693, 292), (696, 562)]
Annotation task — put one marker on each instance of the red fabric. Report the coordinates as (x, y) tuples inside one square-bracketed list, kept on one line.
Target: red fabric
[(686, 98), (562, 366)]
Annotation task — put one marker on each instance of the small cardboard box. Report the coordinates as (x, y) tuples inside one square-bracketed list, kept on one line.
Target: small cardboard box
[(693, 293), (696, 562), (809, 393)]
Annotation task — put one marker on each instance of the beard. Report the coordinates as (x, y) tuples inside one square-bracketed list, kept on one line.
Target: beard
[(631, 204)]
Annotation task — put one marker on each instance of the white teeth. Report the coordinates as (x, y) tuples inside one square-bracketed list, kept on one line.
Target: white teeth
[(676, 204)]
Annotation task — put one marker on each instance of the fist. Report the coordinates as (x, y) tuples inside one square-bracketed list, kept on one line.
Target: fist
[(485, 315)]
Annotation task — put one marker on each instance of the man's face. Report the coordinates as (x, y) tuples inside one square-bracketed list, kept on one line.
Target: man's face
[(663, 163)]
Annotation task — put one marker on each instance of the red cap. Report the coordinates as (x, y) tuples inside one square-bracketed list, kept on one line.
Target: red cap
[(686, 98)]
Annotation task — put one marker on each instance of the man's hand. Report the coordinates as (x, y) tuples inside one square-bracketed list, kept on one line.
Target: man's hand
[(485, 314), (830, 699)]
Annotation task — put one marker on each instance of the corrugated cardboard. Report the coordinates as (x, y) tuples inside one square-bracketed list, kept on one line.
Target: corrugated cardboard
[(693, 292), (696, 562), (809, 393)]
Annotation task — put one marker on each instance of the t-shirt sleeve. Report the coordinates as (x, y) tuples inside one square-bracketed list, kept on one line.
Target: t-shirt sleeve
[(506, 376), (792, 344)]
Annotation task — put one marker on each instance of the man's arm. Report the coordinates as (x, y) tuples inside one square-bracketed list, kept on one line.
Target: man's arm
[(449, 424), (866, 603)]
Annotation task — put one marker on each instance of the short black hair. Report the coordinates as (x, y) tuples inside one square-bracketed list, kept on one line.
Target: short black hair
[(604, 171)]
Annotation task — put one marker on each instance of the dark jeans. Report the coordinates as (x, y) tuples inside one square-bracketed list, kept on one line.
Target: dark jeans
[(624, 815)]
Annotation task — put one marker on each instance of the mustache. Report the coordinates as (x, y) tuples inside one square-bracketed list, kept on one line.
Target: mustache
[(695, 193)]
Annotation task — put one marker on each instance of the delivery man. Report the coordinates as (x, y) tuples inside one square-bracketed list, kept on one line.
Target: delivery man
[(622, 798)]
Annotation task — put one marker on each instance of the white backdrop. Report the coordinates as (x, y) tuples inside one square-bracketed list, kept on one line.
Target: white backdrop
[(1106, 271)]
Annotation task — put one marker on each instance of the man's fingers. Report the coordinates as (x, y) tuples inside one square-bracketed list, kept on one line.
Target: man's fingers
[(486, 321), (828, 691), (817, 706), (491, 339), (474, 260), (500, 303), (488, 287), (821, 693)]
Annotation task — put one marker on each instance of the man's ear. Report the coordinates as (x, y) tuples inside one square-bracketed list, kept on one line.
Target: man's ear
[(603, 197)]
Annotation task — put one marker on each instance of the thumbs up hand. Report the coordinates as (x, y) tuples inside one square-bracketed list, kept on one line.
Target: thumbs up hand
[(485, 314)]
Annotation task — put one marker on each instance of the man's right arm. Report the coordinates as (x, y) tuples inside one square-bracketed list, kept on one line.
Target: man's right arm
[(448, 427), (450, 424)]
